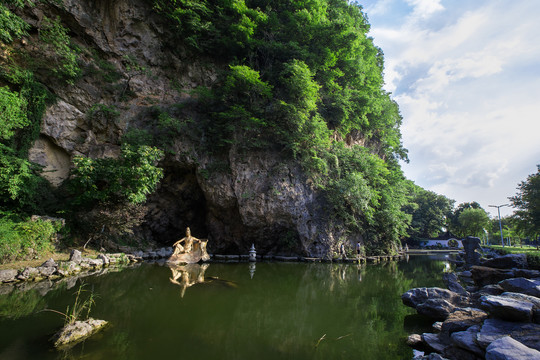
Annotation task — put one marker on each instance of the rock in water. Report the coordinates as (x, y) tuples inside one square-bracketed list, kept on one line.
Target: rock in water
[(78, 331)]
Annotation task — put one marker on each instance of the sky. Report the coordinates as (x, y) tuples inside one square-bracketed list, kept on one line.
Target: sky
[(466, 76)]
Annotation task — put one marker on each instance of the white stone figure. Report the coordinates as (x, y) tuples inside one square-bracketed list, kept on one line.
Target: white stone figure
[(252, 253)]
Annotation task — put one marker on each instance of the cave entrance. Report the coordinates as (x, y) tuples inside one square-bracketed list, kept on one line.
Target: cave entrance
[(178, 203)]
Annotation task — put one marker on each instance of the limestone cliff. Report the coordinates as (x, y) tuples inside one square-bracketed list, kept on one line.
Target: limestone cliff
[(255, 197)]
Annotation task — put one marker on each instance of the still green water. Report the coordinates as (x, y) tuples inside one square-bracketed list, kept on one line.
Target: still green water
[(241, 311)]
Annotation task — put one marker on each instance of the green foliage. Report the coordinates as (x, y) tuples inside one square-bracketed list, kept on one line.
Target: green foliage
[(527, 203), (21, 239), (80, 310), (12, 113), (473, 222), (102, 112), (128, 179), (11, 26), (429, 212), (55, 35)]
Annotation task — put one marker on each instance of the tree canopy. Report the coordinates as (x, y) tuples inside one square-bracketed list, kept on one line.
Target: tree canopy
[(527, 203)]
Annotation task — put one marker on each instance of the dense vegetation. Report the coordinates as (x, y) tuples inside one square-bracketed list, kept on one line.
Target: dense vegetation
[(298, 78), (301, 78)]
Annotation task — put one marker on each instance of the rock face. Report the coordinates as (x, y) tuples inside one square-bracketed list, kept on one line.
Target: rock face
[(80, 330), (233, 199)]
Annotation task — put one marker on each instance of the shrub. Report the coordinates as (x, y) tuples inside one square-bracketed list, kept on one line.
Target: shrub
[(20, 240)]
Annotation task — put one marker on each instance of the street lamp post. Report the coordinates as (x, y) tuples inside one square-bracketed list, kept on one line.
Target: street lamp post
[(500, 225)]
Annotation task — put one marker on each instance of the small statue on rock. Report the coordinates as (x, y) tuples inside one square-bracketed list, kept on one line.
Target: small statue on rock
[(193, 250)]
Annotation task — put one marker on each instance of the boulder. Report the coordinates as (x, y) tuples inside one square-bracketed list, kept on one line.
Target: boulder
[(73, 333), (104, 258), (532, 299), (507, 308), (414, 340), (75, 256), (49, 263), (67, 268), (483, 275), (526, 273), (494, 289), (438, 309), (507, 348), (433, 342), (461, 320), (8, 275), (28, 273), (493, 329), (467, 340), (452, 283), (522, 285), (417, 296), (507, 262), (46, 271)]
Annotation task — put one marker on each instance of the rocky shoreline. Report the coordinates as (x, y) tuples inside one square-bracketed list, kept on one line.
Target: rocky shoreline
[(78, 266), (496, 315)]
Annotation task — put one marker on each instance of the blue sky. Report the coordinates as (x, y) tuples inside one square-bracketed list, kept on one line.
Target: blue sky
[(466, 75)]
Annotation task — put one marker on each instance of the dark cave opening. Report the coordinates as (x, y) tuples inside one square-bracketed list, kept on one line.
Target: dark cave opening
[(178, 203)]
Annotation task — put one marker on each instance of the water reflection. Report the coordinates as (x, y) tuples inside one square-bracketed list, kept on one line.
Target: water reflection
[(280, 313), (187, 275)]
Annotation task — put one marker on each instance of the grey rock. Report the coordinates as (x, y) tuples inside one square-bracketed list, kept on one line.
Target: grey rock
[(95, 263), (49, 263), (457, 353), (104, 258), (436, 303), (522, 285), (67, 268), (494, 289), (452, 283), (417, 296), (507, 348), (433, 342), (438, 309), (467, 340), (28, 273), (46, 271), (507, 262), (526, 273), (75, 256), (460, 320), (532, 299), (77, 331), (493, 329), (507, 308), (432, 356), (9, 275), (483, 275), (414, 340), (437, 326)]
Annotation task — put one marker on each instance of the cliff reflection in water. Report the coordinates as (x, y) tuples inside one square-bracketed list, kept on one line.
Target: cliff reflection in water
[(281, 312)]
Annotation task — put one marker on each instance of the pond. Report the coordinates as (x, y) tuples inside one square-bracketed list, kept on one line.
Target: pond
[(230, 311)]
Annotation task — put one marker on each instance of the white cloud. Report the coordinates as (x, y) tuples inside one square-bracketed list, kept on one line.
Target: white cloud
[(467, 87), (425, 8)]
